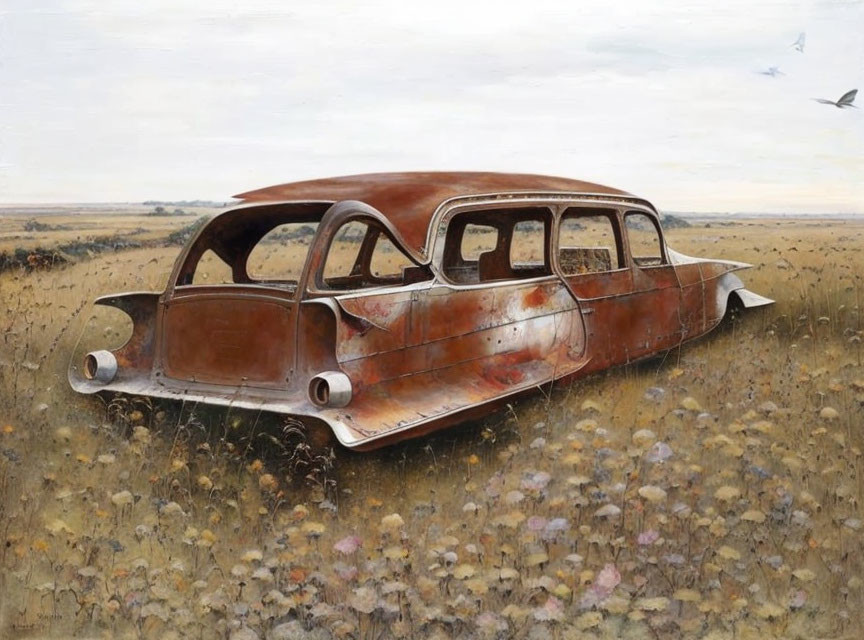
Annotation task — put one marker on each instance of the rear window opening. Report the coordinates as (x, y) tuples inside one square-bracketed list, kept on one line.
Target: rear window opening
[(211, 270), (279, 256), (362, 255), (266, 245)]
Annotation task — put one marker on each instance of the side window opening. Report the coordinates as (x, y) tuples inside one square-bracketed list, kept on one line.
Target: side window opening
[(588, 242), (361, 256), (211, 269), (644, 238), (497, 244), (387, 262), (478, 239), (279, 256), (343, 255), (528, 247)]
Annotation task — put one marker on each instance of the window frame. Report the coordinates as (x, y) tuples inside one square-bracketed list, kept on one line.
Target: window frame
[(655, 220), (442, 250), (592, 209), (258, 279), (316, 284)]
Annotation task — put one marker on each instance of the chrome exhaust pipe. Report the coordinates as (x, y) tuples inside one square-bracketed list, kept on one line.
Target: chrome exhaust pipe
[(330, 389), (100, 366)]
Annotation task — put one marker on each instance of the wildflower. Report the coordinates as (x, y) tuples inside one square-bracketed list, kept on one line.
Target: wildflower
[(470, 507), (829, 413), (514, 497), (122, 498), (348, 545), (728, 553), (58, 526), (171, 508), (588, 620), (727, 493), (648, 537), (652, 604), (753, 515), (464, 571), (652, 493), (268, 482), (363, 600), (392, 522), (643, 437), (252, 555), (552, 610), (804, 575), (607, 511), (313, 529), (687, 595), (659, 452)]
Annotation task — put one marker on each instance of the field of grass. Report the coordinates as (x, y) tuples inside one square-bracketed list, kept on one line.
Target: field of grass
[(716, 493), (39, 237)]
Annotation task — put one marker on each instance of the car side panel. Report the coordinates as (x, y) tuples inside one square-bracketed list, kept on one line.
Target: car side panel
[(692, 303), (450, 349)]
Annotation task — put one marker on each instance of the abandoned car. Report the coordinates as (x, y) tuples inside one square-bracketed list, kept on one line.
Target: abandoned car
[(386, 306)]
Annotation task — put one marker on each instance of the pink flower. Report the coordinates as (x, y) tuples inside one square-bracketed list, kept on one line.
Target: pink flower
[(608, 578), (348, 545), (648, 537), (553, 610)]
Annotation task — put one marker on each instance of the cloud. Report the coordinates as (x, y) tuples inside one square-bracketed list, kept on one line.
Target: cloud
[(177, 99)]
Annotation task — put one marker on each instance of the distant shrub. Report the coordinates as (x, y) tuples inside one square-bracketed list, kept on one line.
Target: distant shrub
[(30, 259), (34, 225), (673, 222), (160, 211), (182, 235)]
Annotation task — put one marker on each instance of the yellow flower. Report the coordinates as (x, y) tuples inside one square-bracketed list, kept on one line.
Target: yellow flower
[(40, 545)]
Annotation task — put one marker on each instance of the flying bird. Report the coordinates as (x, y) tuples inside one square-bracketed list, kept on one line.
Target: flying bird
[(845, 100), (772, 71), (799, 43)]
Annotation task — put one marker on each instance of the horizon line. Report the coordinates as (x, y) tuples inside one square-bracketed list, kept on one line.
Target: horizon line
[(214, 204)]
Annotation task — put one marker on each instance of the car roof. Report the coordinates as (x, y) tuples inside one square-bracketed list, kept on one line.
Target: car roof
[(409, 199)]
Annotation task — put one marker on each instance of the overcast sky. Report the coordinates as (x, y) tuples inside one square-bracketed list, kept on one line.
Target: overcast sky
[(109, 100)]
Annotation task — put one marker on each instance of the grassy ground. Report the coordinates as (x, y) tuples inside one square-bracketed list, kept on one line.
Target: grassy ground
[(29, 227), (713, 494)]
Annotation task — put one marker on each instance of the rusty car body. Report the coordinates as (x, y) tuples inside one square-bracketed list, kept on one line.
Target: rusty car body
[(386, 306)]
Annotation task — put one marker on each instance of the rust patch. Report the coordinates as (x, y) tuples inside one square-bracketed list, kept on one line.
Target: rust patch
[(534, 298)]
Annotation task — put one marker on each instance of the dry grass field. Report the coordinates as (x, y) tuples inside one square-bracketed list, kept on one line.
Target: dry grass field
[(714, 493), (30, 227)]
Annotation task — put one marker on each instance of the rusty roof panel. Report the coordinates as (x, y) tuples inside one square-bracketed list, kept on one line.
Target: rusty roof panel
[(410, 199)]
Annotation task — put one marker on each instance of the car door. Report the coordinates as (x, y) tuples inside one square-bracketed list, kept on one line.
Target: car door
[(498, 307), (591, 261)]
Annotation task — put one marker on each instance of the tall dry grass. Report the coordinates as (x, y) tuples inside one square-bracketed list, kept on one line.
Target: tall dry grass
[(713, 493)]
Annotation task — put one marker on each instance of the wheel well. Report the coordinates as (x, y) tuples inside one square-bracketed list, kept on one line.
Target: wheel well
[(734, 306)]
